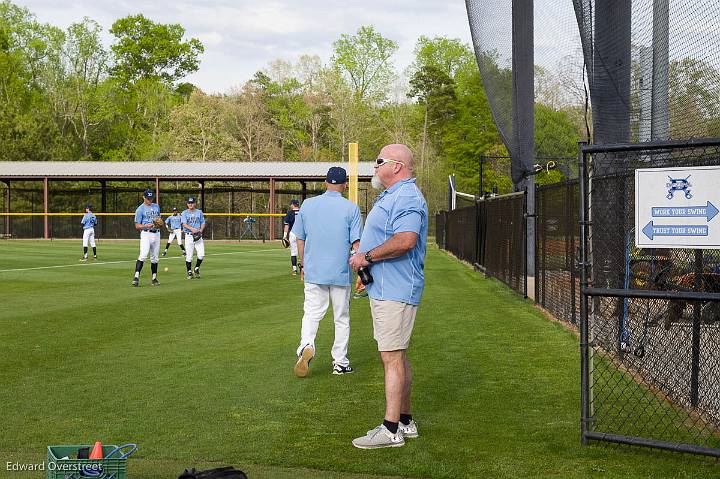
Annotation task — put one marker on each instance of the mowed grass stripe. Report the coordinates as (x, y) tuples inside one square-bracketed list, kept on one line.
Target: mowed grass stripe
[(200, 372)]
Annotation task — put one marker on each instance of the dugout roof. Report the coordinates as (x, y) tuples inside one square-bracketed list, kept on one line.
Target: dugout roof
[(173, 170)]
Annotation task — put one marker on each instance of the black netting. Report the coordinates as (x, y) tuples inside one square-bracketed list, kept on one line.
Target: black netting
[(653, 370), (558, 79), (652, 68)]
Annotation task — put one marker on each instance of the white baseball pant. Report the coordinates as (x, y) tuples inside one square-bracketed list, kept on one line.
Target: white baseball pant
[(89, 237), (177, 233), (149, 243), (191, 246), (317, 298), (293, 244)]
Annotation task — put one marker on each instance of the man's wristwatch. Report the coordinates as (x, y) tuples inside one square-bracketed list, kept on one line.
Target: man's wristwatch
[(368, 257)]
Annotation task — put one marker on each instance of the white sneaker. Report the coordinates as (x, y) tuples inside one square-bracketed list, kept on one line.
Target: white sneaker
[(378, 438), (410, 430)]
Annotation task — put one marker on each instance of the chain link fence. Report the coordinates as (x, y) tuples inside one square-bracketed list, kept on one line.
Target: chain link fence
[(489, 235), (557, 288), (650, 318)]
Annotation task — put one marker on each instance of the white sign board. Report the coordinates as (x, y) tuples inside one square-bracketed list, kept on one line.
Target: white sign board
[(677, 207)]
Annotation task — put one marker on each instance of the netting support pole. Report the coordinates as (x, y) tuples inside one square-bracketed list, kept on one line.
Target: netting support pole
[(523, 120), (46, 226), (661, 70), (103, 204), (611, 82), (271, 208)]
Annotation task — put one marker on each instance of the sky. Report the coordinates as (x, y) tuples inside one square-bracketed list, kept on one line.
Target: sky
[(244, 36)]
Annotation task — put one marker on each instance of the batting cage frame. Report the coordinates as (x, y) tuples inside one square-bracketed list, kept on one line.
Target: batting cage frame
[(649, 317)]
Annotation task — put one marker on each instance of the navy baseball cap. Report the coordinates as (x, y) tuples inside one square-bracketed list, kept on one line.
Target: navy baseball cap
[(295, 202), (149, 194), (88, 206), (174, 209), (336, 175), (191, 200)]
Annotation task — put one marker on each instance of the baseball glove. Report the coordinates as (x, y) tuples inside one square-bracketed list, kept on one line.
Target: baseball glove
[(158, 222), (285, 242), (197, 236)]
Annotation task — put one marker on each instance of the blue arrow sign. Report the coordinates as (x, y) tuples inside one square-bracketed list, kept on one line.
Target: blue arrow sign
[(708, 211), (652, 230)]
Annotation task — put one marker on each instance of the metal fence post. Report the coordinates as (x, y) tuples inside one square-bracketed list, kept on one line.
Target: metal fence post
[(695, 364), (584, 363)]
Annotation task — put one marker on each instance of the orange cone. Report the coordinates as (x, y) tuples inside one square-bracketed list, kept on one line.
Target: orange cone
[(97, 451)]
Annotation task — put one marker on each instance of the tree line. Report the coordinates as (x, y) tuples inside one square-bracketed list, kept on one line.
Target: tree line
[(67, 96)]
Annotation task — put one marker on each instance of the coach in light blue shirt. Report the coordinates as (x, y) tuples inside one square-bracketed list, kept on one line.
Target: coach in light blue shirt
[(393, 248), (327, 227)]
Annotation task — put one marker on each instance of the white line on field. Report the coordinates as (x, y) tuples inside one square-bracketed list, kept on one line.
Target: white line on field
[(124, 261)]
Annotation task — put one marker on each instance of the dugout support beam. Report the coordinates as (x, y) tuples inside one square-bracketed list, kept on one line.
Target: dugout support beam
[(8, 218), (46, 194), (202, 195), (157, 191), (103, 204), (271, 209), (304, 190)]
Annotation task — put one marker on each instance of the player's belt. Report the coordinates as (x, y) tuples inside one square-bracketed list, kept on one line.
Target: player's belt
[(154, 230)]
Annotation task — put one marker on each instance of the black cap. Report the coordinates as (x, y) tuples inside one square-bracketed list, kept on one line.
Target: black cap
[(149, 193), (191, 199), (336, 175), (295, 202), (174, 209), (88, 206)]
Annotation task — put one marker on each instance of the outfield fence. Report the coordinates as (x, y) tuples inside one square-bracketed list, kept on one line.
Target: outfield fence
[(649, 320), (22, 208), (491, 236)]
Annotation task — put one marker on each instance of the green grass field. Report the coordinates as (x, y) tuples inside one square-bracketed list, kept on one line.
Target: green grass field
[(199, 373)]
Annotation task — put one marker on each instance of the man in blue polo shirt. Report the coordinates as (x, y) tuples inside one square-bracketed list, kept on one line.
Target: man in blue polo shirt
[(393, 248), (326, 227)]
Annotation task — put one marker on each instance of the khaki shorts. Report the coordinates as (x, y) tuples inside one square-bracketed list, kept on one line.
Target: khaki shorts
[(393, 323)]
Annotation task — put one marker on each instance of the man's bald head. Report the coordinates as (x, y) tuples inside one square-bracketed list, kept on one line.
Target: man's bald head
[(398, 166), (398, 152)]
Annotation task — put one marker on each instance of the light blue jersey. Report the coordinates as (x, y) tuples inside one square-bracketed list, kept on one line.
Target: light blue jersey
[(194, 218), (328, 224), (400, 208), (174, 222), (88, 221), (144, 214)]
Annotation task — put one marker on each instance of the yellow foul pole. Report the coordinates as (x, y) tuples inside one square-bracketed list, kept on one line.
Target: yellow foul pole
[(353, 172)]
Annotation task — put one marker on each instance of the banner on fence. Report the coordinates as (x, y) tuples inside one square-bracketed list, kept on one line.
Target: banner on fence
[(677, 207)]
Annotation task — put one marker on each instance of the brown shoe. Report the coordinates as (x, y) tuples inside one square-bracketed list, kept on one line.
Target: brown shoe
[(302, 366)]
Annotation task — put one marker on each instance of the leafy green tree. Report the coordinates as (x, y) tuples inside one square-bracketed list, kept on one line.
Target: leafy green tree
[(145, 49), (365, 59), (447, 55)]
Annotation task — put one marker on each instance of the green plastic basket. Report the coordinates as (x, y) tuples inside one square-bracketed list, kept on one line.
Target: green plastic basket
[(57, 468)]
